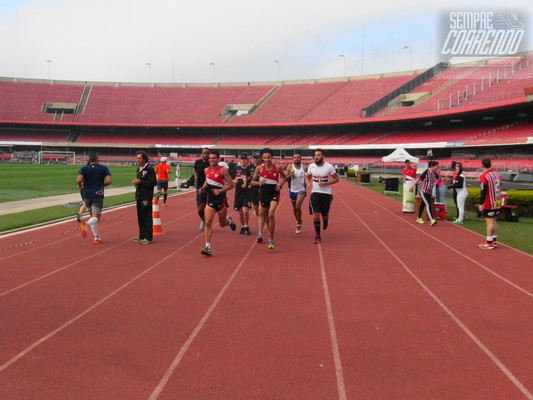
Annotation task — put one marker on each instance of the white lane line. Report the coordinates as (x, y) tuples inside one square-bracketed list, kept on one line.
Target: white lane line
[(97, 254), (88, 310), (521, 289), (456, 319), (172, 368), (332, 332)]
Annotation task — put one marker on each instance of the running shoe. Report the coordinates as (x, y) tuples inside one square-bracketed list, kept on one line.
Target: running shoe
[(325, 224), (78, 218), (318, 239), (243, 231), (494, 244), (420, 220), (206, 251), (248, 231), (97, 240), (202, 226), (145, 241), (83, 228), (271, 244), (232, 224), (298, 229), (432, 222), (259, 238), (458, 222), (136, 239), (486, 246)]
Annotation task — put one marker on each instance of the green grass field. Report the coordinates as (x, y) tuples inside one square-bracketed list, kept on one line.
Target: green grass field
[(20, 182)]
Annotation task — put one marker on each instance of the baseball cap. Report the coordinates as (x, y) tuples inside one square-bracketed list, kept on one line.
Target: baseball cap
[(256, 154), (244, 155), (163, 159)]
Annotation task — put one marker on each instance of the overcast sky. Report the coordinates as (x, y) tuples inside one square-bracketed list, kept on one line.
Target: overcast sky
[(114, 40)]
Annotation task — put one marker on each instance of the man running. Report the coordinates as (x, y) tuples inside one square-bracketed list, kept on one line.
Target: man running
[(93, 177), (199, 178), (242, 202), (296, 176), (319, 178), (270, 178), (217, 183), (162, 170)]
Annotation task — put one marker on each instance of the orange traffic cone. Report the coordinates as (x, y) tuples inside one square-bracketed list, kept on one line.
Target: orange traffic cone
[(157, 229)]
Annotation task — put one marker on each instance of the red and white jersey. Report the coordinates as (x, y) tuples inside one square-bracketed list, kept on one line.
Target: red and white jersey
[(269, 177), (321, 174), (491, 194), (214, 178), (409, 173)]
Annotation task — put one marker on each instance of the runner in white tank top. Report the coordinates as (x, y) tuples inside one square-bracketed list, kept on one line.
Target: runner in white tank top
[(296, 173)]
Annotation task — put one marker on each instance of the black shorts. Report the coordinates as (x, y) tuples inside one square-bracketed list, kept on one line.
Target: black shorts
[(162, 185), (320, 203), (268, 194), (253, 195), (241, 200), (491, 213), (201, 198), (217, 202)]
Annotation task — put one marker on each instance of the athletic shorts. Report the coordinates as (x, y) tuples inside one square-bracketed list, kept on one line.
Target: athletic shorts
[(241, 200), (320, 203), (253, 195), (217, 202), (201, 198), (491, 213), (294, 195), (95, 205), (162, 185), (268, 194)]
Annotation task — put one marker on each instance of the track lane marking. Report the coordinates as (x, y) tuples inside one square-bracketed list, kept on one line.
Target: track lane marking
[(449, 312)]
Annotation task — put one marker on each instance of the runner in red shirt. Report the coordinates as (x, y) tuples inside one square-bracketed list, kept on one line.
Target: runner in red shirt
[(490, 202), (217, 182), (162, 170), (270, 178)]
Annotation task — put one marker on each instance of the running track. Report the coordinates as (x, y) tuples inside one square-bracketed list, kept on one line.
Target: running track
[(384, 308)]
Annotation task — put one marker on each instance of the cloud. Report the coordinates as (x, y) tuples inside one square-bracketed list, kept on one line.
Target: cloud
[(113, 40)]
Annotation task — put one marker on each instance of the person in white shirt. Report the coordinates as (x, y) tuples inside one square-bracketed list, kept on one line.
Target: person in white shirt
[(320, 176), (296, 174)]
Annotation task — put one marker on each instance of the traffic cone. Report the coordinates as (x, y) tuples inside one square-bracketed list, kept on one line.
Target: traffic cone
[(157, 228)]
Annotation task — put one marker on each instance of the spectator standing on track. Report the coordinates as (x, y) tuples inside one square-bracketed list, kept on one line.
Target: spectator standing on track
[(460, 192), (144, 193), (162, 170), (490, 202), (428, 178), (319, 178), (199, 178), (295, 173), (217, 182), (241, 177), (270, 178), (93, 177)]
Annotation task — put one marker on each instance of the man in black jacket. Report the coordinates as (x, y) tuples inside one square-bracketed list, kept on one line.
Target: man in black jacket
[(144, 193)]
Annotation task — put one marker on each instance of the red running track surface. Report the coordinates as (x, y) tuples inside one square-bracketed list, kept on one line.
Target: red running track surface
[(384, 308)]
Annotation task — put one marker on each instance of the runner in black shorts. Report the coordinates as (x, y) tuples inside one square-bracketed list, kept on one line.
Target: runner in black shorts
[(199, 178)]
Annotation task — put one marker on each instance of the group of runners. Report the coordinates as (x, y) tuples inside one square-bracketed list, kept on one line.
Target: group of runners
[(258, 185)]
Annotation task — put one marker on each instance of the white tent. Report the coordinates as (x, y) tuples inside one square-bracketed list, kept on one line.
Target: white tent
[(399, 155)]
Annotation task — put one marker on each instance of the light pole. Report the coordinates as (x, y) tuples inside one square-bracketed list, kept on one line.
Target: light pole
[(149, 65), (48, 62), (344, 64), (277, 62), (214, 74), (411, 54)]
